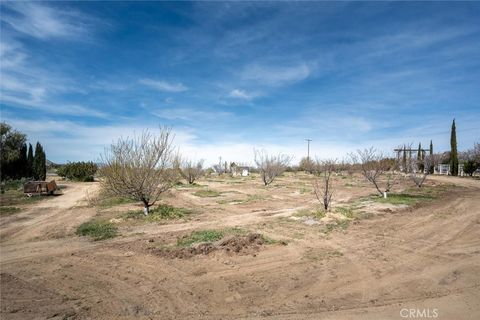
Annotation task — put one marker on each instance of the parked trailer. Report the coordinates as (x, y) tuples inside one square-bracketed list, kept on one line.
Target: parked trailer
[(40, 187)]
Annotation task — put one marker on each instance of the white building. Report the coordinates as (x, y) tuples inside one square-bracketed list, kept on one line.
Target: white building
[(445, 169)]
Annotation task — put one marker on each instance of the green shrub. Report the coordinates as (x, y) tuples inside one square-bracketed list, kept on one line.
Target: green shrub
[(98, 230), (78, 171), (470, 166)]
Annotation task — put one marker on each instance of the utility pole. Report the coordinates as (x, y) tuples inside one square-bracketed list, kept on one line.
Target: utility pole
[(308, 150)]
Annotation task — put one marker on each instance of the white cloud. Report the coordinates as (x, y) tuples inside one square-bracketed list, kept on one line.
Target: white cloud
[(190, 114), (242, 94), (29, 87), (276, 75), (44, 22), (164, 85), (68, 140), (72, 141)]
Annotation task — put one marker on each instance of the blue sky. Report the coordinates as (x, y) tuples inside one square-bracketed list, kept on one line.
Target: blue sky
[(232, 76)]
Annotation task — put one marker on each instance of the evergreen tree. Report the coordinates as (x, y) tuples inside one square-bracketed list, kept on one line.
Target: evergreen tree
[(453, 151), (39, 163), (404, 160), (29, 172), (420, 158), (22, 162), (432, 167), (11, 142)]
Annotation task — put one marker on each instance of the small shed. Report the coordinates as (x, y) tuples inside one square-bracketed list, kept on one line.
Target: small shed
[(40, 187)]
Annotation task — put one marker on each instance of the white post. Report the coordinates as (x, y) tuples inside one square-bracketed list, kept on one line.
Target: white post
[(385, 194)]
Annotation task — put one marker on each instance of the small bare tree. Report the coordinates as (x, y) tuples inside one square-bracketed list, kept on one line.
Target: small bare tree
[(140, 168), (374, 166), (189, 170), (419, 173), (270, 166), (323, 184)]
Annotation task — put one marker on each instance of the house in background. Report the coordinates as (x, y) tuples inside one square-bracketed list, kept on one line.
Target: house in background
[(445, 169), (237, 170)]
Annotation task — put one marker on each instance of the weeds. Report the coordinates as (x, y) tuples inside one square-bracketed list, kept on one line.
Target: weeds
[(323, 255), (338, 225), (403, 198), (15, 197), (215, 235), (255, 197), (7, 211), (319, 214), (98, 230), (109, 202), (162, 212), (200, 236), (345, 211), (207, 193), (305, 190), (268, 240)]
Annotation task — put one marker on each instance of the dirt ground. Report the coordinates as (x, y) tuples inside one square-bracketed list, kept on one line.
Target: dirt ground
[(424, 257)]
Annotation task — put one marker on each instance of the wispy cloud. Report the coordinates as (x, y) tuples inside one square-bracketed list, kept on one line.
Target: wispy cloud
[(276, 75), (30, 87), (164, 86), (242, 94), (190, 114), (45, 22), (90, 140)]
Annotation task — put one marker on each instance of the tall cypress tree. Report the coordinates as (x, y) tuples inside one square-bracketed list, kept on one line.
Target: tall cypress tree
[(432, 166), (453, 151), (39, 163), (420, 158), (404, 160), (22, 162), (29, 172)]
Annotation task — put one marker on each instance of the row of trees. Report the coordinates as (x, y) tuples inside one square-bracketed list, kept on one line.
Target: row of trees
[(144, 167), (16, 160)]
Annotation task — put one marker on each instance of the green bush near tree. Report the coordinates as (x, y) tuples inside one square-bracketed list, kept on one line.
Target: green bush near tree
[(470, 166), (78, 171)]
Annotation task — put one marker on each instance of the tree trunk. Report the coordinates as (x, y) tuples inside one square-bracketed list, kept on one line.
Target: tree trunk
[(146, 207)]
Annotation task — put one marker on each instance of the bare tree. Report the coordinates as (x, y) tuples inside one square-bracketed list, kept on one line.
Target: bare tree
[(189, 170), (323, 185), (221, 167), (140, 168), (374, 166), (270, 166), (419, 174)]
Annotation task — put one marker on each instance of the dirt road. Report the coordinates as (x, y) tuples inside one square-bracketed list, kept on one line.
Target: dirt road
[(426, 259)]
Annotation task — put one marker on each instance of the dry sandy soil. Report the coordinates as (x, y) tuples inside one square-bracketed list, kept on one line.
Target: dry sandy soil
[(424, 257)]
